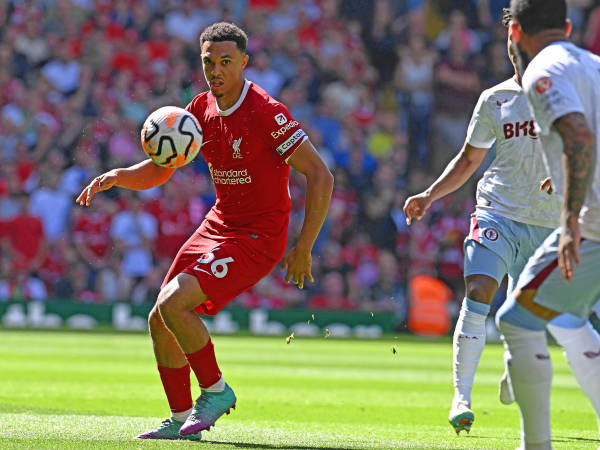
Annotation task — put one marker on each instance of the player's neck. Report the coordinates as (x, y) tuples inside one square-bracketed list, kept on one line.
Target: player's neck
[(228, 100), (544, 39)]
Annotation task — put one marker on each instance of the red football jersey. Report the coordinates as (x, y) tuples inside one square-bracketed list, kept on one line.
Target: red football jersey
[(247, 147)]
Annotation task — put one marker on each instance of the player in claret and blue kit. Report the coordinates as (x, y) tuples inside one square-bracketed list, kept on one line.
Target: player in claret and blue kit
[(512, 218), (562, 84), (250, 142)]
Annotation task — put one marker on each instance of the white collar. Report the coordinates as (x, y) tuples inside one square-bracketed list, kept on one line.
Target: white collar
[(237, 104)]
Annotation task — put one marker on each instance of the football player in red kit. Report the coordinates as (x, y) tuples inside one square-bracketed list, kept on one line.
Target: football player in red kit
[(250, 140)]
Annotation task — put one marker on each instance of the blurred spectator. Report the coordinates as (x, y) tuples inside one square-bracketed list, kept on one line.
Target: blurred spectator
[(389, 292), (172, 214), (333, 295), (63, 71), (24, 239), (456, 93), (260, 72), (51, 204), (414, 79), (457, 33), (384, 88), (187, 23), (134, 232)]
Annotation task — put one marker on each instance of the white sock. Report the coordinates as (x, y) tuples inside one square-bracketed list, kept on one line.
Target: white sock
[(219, 386), (582, 349), (530, 371), (181, 416), (467, 346)]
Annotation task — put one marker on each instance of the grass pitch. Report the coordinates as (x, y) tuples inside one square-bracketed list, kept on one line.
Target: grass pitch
[(71, 390)]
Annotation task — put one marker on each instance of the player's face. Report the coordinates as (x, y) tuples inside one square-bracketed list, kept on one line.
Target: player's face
[(516, 50), (223, 65), (511, 52)]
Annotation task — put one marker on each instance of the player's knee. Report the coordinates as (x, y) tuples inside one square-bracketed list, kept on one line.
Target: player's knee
[(155, 322), (481, 288), (168, 303)]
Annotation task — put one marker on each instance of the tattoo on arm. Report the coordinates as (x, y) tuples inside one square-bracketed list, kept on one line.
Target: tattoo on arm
[(578, 141)]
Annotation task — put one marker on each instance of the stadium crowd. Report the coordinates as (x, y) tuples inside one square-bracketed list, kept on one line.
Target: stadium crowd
[(384, 88)]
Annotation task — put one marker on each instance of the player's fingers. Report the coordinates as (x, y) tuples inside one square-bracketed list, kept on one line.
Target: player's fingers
[(91, 192), (288, 275), (295, 278), (564, 261), (310, 277), (81, 197), (284, 265), (301, 281), (576, 253)]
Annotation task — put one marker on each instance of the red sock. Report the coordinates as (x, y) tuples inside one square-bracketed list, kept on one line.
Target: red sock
[(204, 364), (176, 383)]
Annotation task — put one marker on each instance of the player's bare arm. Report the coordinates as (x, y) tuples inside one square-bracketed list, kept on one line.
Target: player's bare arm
[(319, 186), (143, 175), (578, 158), (458, 171)]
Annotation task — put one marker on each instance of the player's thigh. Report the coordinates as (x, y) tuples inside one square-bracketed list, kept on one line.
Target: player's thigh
[(181, 292), (553, 292), (530, 238), (484, 270)]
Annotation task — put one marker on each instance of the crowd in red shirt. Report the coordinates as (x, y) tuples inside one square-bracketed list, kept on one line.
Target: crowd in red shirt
[(365, 79)]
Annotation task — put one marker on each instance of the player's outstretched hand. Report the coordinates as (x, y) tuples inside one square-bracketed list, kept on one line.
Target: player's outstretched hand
[(100, 183), (298, 264), (546, 185), (416, 206), (568, 247)]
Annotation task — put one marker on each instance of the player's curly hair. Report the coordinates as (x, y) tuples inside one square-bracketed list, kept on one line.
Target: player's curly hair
[(506, 17), (535, 16), (224, 31)]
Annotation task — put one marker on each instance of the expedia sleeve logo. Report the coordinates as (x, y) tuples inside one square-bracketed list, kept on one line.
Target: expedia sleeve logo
[(284, 129), (290, 142)]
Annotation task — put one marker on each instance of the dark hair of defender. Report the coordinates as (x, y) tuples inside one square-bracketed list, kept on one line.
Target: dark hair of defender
[(535, 16), (224, 31)]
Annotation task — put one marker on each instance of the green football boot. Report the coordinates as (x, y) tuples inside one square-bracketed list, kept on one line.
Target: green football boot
[(169, 429), (461, 417), (209, 407)]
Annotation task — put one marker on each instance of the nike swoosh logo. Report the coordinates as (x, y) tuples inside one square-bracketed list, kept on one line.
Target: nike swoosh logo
[(202, 270)]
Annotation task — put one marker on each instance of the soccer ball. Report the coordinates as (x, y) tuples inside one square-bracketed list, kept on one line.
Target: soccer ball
[(171, 136)]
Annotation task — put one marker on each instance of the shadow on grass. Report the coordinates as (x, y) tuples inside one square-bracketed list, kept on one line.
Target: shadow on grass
[(302, 447), (564, 439), (572, 438)]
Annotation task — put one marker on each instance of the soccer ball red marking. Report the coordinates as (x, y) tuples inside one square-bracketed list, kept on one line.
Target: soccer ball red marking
[(543, 85)]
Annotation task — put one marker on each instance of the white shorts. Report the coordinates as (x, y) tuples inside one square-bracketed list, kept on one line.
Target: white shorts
[(542, 273)]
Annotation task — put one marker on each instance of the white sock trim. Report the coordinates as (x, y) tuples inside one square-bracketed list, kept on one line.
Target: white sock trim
[(181, 416), (219, 386)]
